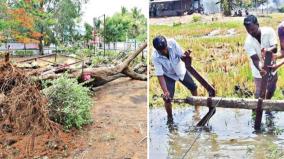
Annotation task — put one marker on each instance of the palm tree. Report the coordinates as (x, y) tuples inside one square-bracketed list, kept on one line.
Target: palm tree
[(123, 10), (227, 6)]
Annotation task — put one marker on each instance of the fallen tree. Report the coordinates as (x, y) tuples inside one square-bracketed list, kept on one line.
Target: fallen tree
[(97, 76), (240, 103)]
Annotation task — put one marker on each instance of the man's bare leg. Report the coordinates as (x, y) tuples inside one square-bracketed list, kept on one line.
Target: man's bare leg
[(194, 93), (197, 108), (168, 107)]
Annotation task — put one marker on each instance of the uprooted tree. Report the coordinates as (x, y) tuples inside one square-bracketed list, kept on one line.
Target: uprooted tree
[(100, 75)]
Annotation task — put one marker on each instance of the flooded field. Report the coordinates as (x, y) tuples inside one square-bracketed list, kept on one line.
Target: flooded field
[(229, 134)]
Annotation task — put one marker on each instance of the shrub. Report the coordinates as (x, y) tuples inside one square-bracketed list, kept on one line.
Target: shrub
[(281, 9), (86, 52), (196, 18), (69, 103), (97, 60), (177, 24)]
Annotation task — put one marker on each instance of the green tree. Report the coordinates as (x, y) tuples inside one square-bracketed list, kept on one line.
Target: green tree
[(138, 23), (125, 25), (227, 6), (56, 20), (88, 33), (41, 21), (17, 23), (123, 10)]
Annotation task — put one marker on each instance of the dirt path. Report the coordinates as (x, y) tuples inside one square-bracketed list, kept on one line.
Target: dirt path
[(120, 122)]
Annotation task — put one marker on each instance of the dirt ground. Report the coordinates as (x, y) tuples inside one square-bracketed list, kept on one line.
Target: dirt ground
[(120, 122)]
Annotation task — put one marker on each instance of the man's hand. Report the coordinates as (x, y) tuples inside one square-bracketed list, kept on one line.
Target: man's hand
[(262, 72), (263, 53), (167, 97), (186, 53), (274, 67)]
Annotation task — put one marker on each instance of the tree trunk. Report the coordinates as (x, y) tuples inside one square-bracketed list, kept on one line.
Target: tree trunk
[(40, 45), (101, 75), (241, 103)]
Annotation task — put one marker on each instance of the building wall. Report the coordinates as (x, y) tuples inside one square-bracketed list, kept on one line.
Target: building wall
[(210, 6)]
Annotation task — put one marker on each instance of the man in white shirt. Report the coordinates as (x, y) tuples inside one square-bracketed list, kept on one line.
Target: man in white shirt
[(281, 55), (170, 68), (260, 40)]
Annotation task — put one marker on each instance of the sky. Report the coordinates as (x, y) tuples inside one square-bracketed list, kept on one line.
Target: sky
[(95, 8)]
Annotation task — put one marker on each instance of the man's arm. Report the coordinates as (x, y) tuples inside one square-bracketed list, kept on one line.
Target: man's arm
[(281, 55), (256, 62), (161, 79), (273, 44), (163, 85), (254, 57), (280, 64), (276, 66), (281, 39), (272, 49)]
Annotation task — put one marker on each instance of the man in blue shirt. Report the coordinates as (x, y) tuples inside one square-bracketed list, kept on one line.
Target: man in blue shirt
[(170, 68)]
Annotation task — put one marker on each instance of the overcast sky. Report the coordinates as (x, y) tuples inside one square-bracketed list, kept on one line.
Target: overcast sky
[(95, 8)]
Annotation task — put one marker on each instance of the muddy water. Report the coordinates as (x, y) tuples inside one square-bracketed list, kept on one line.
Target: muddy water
[(229, 134)]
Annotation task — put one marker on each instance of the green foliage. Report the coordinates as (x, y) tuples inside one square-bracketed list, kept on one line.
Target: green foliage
[(274, 152), (88, 32), (177, 24), (99, 60), (69, 103), (23, 53), (227, 6), (85, 52), (281, 9), (196, 18), (126, 25), (54, 21), (67, 11)]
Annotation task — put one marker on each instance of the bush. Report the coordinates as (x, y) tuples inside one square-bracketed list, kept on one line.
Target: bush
[(177, 24), (86, 52), (281, 9), (97, 60), (69, 103), (196, 18), (24, 53)]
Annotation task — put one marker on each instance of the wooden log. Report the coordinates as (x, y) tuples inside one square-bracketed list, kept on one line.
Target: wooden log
[(140, 68), (103, 73), (239, 103), (134, 75), (103, 81)]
